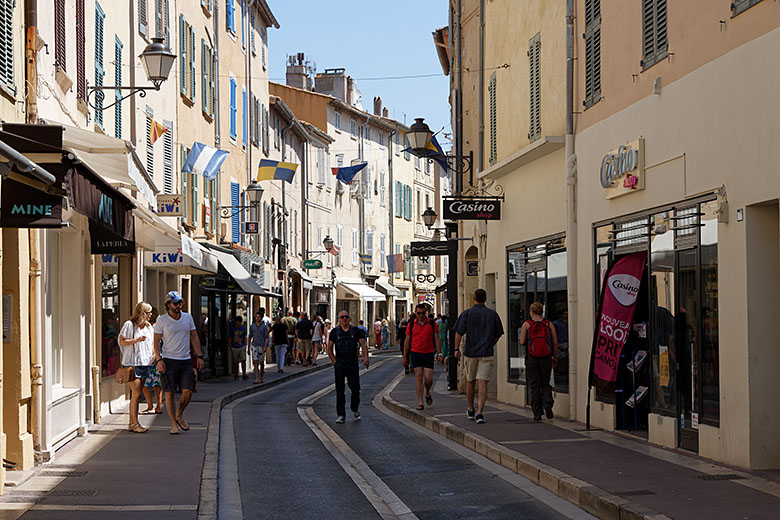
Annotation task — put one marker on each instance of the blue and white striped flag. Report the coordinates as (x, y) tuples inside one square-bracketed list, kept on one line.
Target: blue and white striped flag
[(204, 160)]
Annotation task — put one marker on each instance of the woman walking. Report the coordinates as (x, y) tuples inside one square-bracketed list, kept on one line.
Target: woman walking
[(385, 334), (135, 342), (153, 386), (316, 339)]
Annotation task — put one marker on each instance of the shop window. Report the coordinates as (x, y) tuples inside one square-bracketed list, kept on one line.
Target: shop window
[(662, 285), (710, 358), (111, 321)]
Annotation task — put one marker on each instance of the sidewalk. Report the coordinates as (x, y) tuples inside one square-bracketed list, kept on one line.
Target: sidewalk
[(114, 472), (609, 475)]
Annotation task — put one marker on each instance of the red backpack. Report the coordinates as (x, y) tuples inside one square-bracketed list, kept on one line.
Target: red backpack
[(539, 338)]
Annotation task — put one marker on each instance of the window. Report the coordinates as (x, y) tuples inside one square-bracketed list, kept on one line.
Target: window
[(233, 131), (382, 258), (368, 192), (60, 41), (244, 125), (100, 18), (207, 85), (118, 93), (158, 17), (381, 138), (183, 151), (322, 171), (382, 189), (266, 131), (262, 41), (277, 132), (534, 73), (149, 146), (419, 203), (353, 128), (81, 38), (243, 23), (738, 6), (252, 32), (397, 252), (427, 166), (235, 223), (355, 246), (492, 116), (337, 120), (230, 16), (186, 59), (168, 157), (369, 245), (339, 160), (207, 5), (143, 22), (367, 133), (339, 242), (592, 52), (407, 156), (655, 42)]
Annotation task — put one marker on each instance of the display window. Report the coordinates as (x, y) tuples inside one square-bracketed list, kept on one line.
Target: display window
[(111, 321)]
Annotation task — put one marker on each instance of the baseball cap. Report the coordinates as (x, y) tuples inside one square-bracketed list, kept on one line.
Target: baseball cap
[(173, 296)]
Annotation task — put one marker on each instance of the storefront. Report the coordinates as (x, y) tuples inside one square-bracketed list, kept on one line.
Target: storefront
[(356, 297)]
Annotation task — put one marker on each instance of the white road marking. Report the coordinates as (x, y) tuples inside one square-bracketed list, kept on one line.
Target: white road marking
[(149, 507)]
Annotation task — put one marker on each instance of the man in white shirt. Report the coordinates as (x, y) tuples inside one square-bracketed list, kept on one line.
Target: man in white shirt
[(177, 331)]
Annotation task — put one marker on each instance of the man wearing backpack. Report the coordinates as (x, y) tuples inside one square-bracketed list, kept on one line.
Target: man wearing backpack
[(539, 336), (482, 328), (422, 339), (343, 345)]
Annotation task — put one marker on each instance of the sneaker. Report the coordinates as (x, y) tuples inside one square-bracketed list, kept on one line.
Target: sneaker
[(480, 418), (357, 416), (549, 413), (341, 419), (470, 414)]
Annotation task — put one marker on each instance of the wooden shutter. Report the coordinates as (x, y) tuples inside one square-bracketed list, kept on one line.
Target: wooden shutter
[(212, 89), (168, 158), (233, 133), (7, 44), (492, 118), (99, 72), (143, 23), (738, 6), (534, 72), (204, 77), (185, 195), (230, 16), (234, 220), (182, 55), (252, 30), (149, 145), (167, 18), (243, 117), (655, 42), (592, 38), (192, 63), (81, 72), (193, 177), (118, 93), (60, 42), (158, 17)]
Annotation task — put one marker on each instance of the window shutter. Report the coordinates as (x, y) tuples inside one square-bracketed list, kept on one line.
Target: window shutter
[(592, 52), (195, 199), (7, 44), (369, 242), (192, 63), (232, 108), (182, 55), (243, 23), (534, 73), (167, 18), (382, 258), (267, 135), (234, 218), (738, 6), (655, 42), (81, 73), (212, 87), (143, 24), (60, 42), (204, 78), (214, 205), (185, 195), (230, 14), (252, 31), (168, 158), (118, 93), (149, 146), (158, 17), (99, 72), (243, 117)]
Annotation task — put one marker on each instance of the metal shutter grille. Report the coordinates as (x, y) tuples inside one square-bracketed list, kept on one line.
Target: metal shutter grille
[(534, 55), (655, 40), (492, 116), (60, 45), (592, 37), (81, 73), (168, 158)]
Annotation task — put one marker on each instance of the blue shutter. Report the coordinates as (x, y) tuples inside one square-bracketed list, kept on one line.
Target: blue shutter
[(243, 23), (232, 108), (230, 16), (241, 214), (243, 117), (234, 222)]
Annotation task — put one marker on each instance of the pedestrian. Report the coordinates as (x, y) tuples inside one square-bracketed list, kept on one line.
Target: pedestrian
[(562, 334), (316, 340), (258, 338), (237, 342), (304, 331), (135, 344), (153, 386), (279, 337), (482, 328), (343, 344), (290, 322), (422, 339), (325, 335), (401, 331), (363, 328), (541, 343), (385, 331), (177, 331), (443, 324), (378, 333)]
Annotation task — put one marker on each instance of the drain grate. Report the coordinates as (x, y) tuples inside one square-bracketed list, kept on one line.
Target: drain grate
[(724, 476), (636, 493), (73, 492), (62, 473)]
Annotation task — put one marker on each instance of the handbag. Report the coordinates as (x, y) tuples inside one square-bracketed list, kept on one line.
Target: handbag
[(125, 374)]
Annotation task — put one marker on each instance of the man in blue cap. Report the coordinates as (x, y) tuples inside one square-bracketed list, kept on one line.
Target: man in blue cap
[(177, 331)]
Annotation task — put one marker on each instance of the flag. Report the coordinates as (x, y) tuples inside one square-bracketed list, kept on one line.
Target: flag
[(395, 263), (204, 160), (274, 170), (156, 132), (366, 258), (433, 151), (346, 173), (335, 250)]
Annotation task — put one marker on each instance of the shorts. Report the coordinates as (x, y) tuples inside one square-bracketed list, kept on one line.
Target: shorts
[(304, 345), (258, 353), (421, 360), (178, 372), (238, 354), (142, 371), (478, 367)]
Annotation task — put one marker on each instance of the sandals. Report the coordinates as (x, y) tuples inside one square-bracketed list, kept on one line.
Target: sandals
[(137, 428), (150, 411), (183, 424), (428, 399), (420, 407)]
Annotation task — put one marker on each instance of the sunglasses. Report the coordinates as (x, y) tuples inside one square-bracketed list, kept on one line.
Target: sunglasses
[(420, 313), (343, 317)]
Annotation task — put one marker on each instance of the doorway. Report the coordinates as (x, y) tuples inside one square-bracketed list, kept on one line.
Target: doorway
[(687, 316)]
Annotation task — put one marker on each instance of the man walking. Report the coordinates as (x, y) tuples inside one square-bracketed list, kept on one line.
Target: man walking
[(279, 337), (290, 322), (343, 346), (303, 333), (422, 339), (258, 338), (482, 327), (378, 333), (237, 342), (177, 331)]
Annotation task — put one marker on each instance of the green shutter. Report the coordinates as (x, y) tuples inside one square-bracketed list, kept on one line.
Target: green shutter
[(195, 199), (492, 119), (192, 63), (204, 78), (185, 194), (182, 55)]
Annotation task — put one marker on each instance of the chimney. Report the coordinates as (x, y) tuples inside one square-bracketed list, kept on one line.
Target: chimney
[(350, 91), (385, 112), (377, 106), (296, 71), (332, 82)]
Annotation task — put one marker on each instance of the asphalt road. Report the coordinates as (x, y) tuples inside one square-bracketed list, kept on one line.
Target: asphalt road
[(284, 470)]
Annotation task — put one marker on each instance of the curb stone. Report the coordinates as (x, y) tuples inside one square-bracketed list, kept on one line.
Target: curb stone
[(592, 499), (207, 502)]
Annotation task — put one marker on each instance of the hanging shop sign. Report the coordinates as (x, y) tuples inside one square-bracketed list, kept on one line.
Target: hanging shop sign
[(422, 278), (251, 228), (623, 169), (472, 268), (105, 242), (22, 206), (438, 248), (312, 263), (472, 209), (423, 263), (170, 205)]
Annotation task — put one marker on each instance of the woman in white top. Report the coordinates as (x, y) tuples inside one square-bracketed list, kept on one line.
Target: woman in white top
[(135, 342), (316, 339)]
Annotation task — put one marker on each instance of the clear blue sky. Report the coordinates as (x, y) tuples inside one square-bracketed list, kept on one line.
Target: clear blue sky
[(370, 39)]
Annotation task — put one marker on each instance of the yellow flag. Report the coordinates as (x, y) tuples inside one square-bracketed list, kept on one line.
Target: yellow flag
[(157, 130)]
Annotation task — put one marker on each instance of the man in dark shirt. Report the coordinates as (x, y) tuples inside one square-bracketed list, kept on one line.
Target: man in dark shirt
[(279, 338), (482, 328), (343, 346), (303, 332)]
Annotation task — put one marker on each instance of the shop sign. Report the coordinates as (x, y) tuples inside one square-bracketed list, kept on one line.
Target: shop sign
[(438, 248), (169, 205), (105, 242), (423, 263), (623, 169), (422, 278), (23, 206), (472, 268), (312, 263), (251, 228), (170, 258), (472, 209)]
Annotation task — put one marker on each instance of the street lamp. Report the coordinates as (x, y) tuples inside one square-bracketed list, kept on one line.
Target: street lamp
[(327, 243), (253, 192), (429, 217), (420, 135), (156, 59)]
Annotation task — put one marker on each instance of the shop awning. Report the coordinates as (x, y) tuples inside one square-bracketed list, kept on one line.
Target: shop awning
[(170, 259), (241, 275), (387, 288), (152, 232), (307, 281), (363, 291)]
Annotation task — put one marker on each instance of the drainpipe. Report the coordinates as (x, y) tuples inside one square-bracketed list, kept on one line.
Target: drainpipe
[(362, 199), (391, 220), (284, 217), (571, 211), (481, 111), (217, 119)]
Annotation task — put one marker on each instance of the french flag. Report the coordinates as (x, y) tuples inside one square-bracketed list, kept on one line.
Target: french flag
[(204, 160)]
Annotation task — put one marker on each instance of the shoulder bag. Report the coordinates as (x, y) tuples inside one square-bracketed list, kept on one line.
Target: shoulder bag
[(125, 374)]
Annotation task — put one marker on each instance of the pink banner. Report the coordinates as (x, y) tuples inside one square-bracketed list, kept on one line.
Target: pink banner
[(618, 301)]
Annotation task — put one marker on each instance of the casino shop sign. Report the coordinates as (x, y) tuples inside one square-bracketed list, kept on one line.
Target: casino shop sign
[(623, 169)]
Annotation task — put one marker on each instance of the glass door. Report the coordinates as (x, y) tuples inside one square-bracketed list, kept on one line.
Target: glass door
[(687, 340)]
